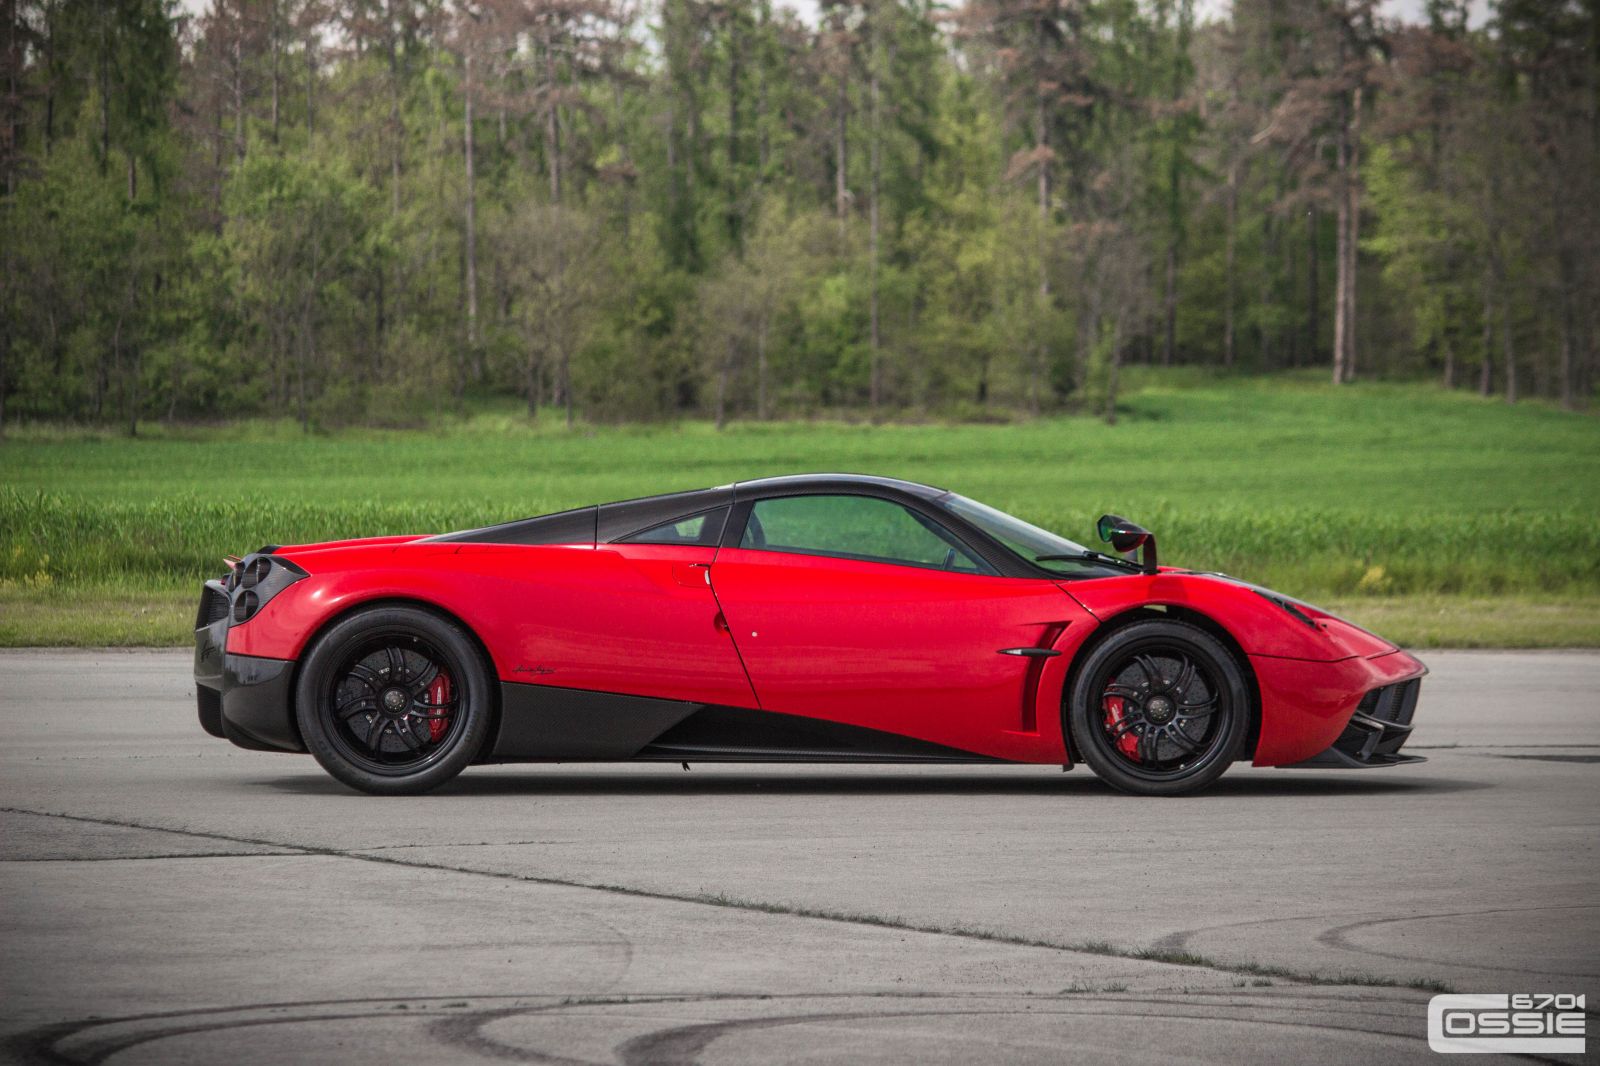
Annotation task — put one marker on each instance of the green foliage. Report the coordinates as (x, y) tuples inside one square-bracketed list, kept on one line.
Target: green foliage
[(1368, 492), (727, 211)]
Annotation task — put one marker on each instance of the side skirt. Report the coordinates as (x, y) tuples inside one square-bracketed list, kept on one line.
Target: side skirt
[(545, 723)]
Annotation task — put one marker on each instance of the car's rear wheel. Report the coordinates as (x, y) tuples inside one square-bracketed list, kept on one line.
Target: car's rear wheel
[(394, 700), (1159, 708)]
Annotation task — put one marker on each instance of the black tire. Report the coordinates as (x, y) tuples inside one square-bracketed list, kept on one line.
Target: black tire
[(374, 711), (1170, 692)]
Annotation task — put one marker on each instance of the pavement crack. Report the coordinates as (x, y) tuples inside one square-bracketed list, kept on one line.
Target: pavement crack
[(1096, 948), (139, 858), (462, 844)]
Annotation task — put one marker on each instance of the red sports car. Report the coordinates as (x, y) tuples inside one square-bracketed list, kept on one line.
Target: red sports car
[(815, 618)]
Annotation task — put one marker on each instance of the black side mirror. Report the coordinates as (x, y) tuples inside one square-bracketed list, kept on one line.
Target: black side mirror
[(1125, 536)]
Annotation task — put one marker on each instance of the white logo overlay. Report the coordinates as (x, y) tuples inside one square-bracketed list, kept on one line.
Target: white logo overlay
[(1526, 1021)]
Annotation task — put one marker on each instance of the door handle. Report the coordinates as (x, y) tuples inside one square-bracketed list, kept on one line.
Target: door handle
[(694, 575)]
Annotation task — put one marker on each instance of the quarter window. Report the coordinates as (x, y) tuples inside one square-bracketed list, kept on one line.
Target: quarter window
[(703, 528), (856, 527)]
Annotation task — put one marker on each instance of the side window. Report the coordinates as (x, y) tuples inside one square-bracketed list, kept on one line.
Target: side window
[(703, 529), (856, 527)]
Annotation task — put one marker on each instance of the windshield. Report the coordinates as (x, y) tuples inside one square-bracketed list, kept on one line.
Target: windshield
[(1028, 540)]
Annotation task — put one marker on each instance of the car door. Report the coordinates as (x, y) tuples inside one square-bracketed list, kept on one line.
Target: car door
[(634, 617), (866, 611)]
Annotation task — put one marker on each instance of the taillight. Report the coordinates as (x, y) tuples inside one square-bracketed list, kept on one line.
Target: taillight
[(254, 580)]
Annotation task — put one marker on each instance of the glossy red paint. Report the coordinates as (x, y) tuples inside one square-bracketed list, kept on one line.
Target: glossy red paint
[(610, 619), (901, 649), (1310, 678), (1258, 625), (1306, 705)]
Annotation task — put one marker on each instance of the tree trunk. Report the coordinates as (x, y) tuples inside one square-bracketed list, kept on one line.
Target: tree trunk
[(1341, 252), (841, 189), (50, 85), (306, 343), (1171, 301), (1340, 281), (1507, 346), (1569, 330), (472, 212), (105, 107), (238, 94), (875, 386), (1313, 297), (277, 77), (135, 373), (735, 44), (1486, 368), (1041, 352), (1115, 359), (1230, 279), (763, 141), (5, 356), (723, 373), (552, 121), (1352, 249), (1567, 397), (1449, 362), (761, 370), (530, 383), (311, 81), (566, 380), (396, 122)]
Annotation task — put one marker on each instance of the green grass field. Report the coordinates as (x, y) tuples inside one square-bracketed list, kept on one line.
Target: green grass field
[(1439, 519)]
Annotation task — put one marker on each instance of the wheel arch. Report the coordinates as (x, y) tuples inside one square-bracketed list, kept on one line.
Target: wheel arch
[(444, 614), (1154, 612)]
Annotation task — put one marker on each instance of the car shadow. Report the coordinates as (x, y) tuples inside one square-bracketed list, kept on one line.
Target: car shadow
[(674, 782)]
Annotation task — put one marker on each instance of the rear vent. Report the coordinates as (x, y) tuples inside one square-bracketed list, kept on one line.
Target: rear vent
[(213, 607)]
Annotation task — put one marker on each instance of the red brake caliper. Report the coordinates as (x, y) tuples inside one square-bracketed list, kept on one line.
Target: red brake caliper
[(438, 695), (1127, 743)]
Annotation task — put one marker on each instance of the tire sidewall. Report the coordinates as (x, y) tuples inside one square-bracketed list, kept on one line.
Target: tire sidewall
[(471, 675), (1083, 706)]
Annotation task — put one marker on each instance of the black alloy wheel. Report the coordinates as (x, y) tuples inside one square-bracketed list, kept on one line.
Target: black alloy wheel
[(394, 700), (1159, 708)]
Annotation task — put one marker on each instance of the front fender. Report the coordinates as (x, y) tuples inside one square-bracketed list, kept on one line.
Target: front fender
[(1250, 614), (1311, 668)]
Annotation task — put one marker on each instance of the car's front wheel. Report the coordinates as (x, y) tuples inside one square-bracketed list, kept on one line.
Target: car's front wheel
[(394, 700), (1159, 708)]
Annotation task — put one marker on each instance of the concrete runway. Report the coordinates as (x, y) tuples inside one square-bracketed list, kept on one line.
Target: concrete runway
[(166, 897)]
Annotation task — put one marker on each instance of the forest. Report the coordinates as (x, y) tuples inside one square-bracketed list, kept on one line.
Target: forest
[(368, 211)]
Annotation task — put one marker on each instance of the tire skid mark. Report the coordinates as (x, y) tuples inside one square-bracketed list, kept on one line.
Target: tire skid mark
[(1337, 938), (456, 1025)]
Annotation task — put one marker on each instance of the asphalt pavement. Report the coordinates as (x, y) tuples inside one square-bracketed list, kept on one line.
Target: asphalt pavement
[(166, 897)]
